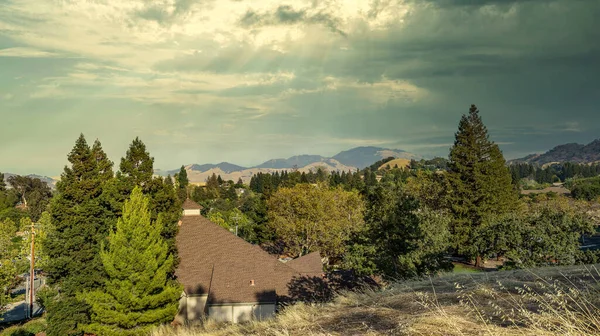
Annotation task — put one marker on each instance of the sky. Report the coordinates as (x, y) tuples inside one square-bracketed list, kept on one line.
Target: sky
[(205, 81)]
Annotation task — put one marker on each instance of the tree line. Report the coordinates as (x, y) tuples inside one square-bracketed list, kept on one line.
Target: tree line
[(412, 219), (558, 172), (108, 241)]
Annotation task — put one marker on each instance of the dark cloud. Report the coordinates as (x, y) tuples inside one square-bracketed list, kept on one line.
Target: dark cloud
[(158, 11), (287, 15)]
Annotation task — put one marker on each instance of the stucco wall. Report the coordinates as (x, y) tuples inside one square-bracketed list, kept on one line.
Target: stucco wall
[(191, 308), (240, 312)]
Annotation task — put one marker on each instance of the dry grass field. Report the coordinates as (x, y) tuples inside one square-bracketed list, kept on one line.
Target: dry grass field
[(545, 301), (402, 163)]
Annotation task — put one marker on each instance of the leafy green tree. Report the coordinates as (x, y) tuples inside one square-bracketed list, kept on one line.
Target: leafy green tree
[(311, 218), (33, 193), (137, 294), (547, 233), (480, 185), (8, 266), (410, 240), (232, 220), (80, 221)]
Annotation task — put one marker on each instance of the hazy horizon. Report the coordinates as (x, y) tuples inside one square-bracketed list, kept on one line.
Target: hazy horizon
[(248, 81)]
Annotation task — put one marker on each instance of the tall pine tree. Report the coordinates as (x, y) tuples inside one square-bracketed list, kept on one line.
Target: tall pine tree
[(138, 293), (479, 181), (136, 169), (182, 184), (80, 223)]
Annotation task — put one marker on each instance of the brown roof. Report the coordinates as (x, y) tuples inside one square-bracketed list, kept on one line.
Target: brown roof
[(188, 204), (309, 264), (214, 261)]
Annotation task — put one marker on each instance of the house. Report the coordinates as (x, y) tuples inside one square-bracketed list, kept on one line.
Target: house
[(227, 278)]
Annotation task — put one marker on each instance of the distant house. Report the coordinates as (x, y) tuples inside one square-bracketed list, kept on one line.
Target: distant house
[(227, 278)]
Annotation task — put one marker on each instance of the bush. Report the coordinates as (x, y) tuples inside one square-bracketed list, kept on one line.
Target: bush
[(45, 295)]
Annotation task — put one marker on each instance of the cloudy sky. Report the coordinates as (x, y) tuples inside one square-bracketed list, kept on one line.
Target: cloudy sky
[(244, 81)]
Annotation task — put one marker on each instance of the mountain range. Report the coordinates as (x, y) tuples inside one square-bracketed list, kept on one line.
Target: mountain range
[(352, 159), (571, 152)]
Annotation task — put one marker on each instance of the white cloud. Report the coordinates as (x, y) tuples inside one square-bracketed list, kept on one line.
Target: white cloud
[(26, 52)]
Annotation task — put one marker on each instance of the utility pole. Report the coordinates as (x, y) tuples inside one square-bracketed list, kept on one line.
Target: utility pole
[(32, 271)]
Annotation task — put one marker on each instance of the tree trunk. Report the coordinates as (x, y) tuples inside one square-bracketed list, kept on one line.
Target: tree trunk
[(478, 262)]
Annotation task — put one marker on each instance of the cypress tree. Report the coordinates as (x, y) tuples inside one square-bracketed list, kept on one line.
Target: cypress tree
[(80, 222), (480, 183), (182, 182), (138, 293), (2, 183)]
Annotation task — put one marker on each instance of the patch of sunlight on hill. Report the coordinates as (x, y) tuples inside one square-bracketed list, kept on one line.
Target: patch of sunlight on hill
[(402, 163)]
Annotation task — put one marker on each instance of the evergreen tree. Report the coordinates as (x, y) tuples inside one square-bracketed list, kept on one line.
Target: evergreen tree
[(2, 183), (138, 293), (136, 169), (80, 223), (137, 165), (182, 183), (239, 183), (480, 183)]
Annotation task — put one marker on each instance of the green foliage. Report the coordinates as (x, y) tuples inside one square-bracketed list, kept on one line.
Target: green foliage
[(64, 314), (137, 165), (479, 183), (31, 328), (182, 184), (136, 170), (45, 295), (80, 220), (311, 218), (8, 262), (546, 234), (232, 219), (137, 294), (32, 192), (410, 240), (585, 189)]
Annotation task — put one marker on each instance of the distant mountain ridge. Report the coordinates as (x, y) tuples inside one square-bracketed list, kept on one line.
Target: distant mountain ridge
[(51, 182), (352, 159), (571, 152)]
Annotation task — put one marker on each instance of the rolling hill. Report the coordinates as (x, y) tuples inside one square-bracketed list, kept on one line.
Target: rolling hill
[(350, 160), (571, 152), (362, 157), (401, 163)]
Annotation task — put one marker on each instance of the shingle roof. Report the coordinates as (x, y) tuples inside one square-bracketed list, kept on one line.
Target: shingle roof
[(188, 204), (214, 261), (309, 264)]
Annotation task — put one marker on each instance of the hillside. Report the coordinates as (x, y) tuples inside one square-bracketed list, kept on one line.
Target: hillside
[(544, 301), (361, 157), (294, 161), (571, 152), (350, 160), (401, 163), (198, 176)]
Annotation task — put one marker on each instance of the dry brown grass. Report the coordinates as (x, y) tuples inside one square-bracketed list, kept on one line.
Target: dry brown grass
[(546, 301), (402, 163)]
